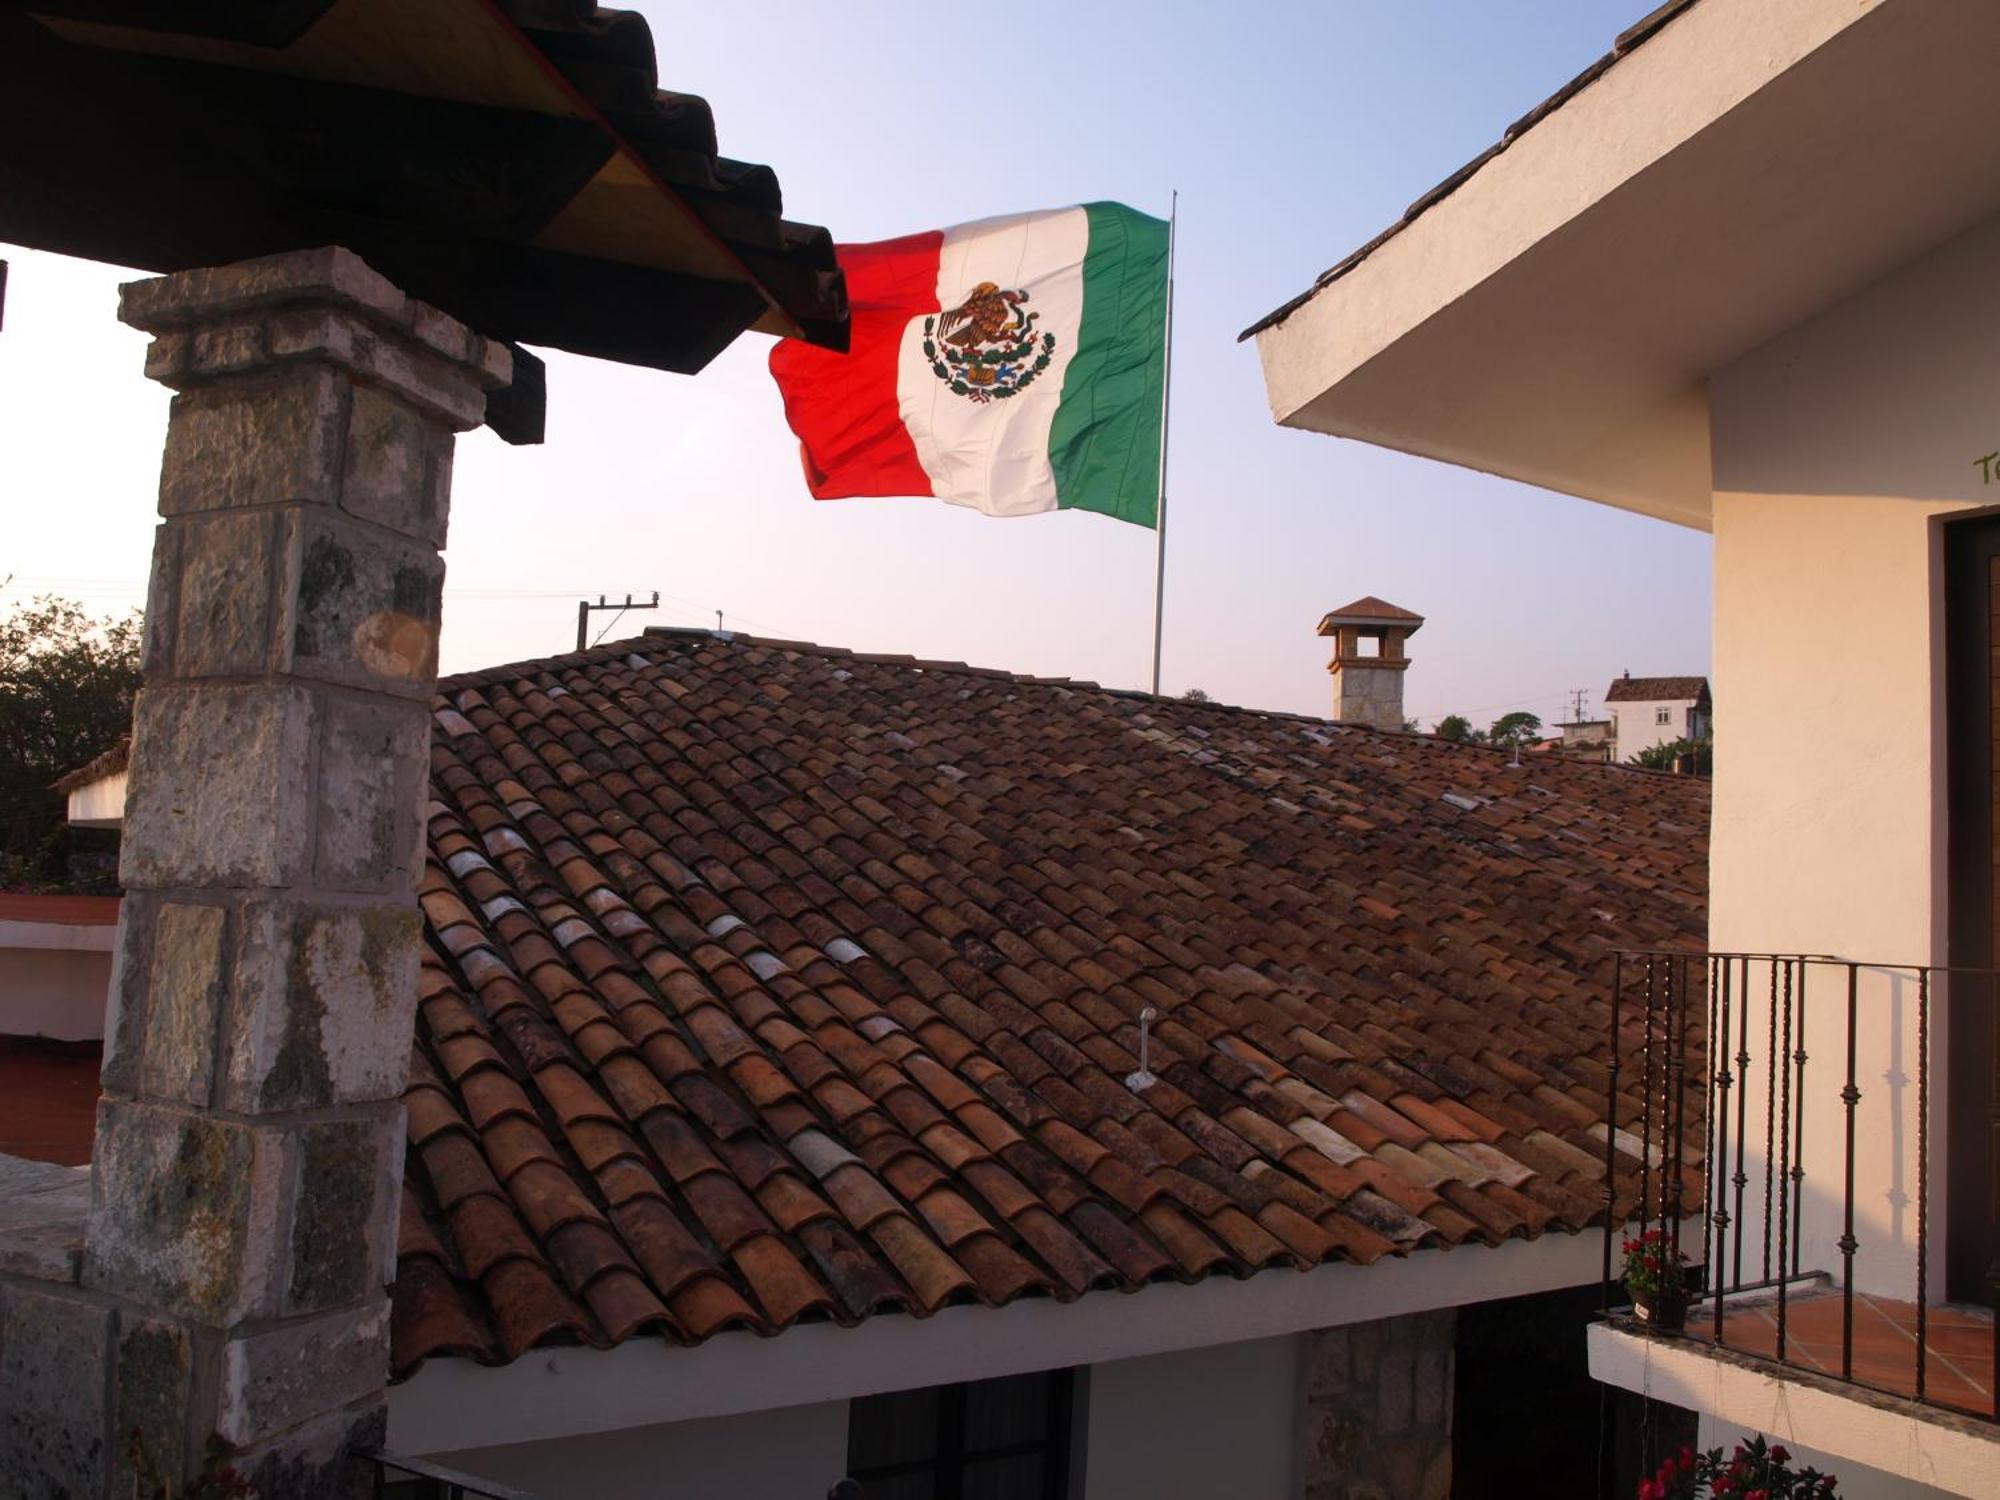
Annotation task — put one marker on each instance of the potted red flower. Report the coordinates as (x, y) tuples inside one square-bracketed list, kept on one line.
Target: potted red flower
[(1755, 1471), (1656, 1274)]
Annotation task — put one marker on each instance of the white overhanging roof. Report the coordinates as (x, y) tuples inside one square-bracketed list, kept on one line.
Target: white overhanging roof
[(1552, 313)]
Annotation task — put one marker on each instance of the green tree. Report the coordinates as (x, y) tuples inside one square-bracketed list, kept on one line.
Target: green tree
[(1668, 756), (1458, 729), (1517, 728), (66, 686), (1196, 695)]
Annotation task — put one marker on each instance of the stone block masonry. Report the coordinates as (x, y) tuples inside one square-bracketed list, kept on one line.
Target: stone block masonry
[(249, 1143), (1378, 1404)]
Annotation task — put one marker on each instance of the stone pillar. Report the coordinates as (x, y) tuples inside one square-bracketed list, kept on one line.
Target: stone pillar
[(250, 1139), (1369, 690), (1378, 1404)]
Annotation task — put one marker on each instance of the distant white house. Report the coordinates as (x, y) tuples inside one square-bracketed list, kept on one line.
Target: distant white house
[(1649, 711)]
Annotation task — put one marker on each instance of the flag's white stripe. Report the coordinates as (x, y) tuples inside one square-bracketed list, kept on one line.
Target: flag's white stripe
[(995, 456)]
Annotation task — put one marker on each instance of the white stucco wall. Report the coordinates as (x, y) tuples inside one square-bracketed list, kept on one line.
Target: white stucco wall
[(54, 979), (791, 1453), (1638, 727), (1885, 1449), (1836, 449), (101, 803), (1220, 1422), (1206, 1422)]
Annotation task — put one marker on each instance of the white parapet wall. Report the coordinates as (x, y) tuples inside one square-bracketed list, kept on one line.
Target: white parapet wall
[(1896, 1440), (1216, 1421), (55, 965), (100, 803)]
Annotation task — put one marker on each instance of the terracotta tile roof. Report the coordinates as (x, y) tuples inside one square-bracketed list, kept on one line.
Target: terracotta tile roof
[(75, 911), (515, 164), (771, 982), (111, 763), (1629, 689), (1369, 607)]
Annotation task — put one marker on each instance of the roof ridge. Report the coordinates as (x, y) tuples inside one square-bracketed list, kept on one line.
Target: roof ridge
[(611, 650), (615, 650)]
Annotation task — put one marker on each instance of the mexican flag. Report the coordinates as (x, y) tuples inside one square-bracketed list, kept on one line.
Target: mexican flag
[(1014, 365)]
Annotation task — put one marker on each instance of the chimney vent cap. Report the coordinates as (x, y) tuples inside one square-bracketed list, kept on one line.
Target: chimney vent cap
[(1370, 611)]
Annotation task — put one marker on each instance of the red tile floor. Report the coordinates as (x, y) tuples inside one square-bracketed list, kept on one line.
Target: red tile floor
[(1958, 1366), (48, 1099)]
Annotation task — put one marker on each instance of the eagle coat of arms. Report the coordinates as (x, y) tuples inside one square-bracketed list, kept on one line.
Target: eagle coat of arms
[(986, 348)]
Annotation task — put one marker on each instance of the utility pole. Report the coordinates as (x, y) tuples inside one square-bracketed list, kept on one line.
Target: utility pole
[(584, 609)]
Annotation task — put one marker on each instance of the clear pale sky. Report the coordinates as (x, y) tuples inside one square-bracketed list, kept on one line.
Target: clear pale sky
[(1294, 132)]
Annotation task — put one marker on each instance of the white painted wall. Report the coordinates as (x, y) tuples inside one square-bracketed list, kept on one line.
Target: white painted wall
[(1207, 1422), (792, 1453), (54, 979), (101, 803), (1857, 1480), (1210, 1422), (1836, 449), (1637, 726), (1899, 1442)]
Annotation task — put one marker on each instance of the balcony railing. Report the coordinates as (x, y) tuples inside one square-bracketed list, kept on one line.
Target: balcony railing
[(1784, 1112)]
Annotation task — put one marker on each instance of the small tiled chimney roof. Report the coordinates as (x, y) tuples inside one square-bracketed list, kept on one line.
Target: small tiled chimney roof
[(1368, 610)]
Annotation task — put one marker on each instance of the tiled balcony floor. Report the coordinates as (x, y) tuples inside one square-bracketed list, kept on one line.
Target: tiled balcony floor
[(1958, 1368)]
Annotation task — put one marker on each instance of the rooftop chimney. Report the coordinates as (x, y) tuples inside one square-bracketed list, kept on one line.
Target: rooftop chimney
[(1368, 661)]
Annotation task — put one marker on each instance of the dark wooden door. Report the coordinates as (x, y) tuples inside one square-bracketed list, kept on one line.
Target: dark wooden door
[(1972, 1122)]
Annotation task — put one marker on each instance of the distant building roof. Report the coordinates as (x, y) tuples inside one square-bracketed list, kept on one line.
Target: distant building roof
[(771, 983), (1629, 689), (111, 763)]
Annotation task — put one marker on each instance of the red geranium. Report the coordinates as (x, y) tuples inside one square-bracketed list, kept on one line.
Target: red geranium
[(1754, 1471), (1652, 1264)]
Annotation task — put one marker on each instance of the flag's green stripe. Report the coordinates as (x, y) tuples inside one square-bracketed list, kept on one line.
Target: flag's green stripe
[(1105, 442)]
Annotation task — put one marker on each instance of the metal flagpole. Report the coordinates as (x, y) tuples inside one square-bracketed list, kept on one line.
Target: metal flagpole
[(1166, 402)]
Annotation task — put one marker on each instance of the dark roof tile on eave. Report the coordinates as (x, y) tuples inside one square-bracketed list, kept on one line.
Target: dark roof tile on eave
[(442, 154), (610, 58)]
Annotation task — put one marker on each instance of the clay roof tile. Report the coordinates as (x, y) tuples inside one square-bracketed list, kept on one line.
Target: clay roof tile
[(812, 1042)]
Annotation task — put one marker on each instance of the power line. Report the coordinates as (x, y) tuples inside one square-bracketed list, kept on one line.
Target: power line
[(584, 610), (136, 588)]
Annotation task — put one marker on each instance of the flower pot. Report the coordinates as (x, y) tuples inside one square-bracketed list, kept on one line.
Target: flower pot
[(1666, 1311)]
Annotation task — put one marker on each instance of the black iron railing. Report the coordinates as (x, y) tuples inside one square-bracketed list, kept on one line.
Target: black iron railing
[(1729, 1086)]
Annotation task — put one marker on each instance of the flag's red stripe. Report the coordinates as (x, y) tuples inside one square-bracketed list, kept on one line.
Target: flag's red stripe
[(843, 406)]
